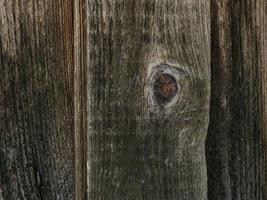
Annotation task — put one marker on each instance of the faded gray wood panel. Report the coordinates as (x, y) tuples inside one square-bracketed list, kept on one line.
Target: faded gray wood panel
[(145, 141), (36, 100), (236, 143)]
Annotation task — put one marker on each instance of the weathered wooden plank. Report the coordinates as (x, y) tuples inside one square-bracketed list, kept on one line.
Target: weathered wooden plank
[(146, 141), (236, 143), (36, 100)]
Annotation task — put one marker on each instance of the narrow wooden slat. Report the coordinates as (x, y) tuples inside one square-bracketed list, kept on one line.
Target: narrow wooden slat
[(80, 99)]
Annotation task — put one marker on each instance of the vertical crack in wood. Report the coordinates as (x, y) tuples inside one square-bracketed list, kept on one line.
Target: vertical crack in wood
[(39, 183), (79, 102)]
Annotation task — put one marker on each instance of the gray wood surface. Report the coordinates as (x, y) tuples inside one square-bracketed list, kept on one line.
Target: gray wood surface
[(236, 142), (144, 141), (36, 100)]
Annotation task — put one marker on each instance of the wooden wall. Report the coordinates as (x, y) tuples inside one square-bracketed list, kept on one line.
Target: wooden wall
[(116, 99)]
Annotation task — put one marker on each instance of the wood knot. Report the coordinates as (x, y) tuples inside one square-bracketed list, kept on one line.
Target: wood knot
[(165, 87), (166, 83)]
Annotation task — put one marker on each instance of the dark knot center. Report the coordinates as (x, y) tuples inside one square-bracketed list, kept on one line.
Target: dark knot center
[(165, 87)]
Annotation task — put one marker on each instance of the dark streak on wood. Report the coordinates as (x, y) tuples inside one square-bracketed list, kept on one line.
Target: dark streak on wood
[(36, 100), (39, 182), (236, 143), (135, 150)]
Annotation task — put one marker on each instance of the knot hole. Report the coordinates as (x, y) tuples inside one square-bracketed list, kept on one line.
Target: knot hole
[(165, 87)]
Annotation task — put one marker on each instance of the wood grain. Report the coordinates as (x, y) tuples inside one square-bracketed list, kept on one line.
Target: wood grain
[(36, 100), (139, 147), (236, 142)]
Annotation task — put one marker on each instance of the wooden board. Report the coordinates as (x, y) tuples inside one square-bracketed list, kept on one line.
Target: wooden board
[(36, 100), (145, 141), (236, 143)]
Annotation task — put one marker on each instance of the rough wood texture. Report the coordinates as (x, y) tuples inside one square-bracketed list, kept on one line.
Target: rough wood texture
[(36, 100), (236, 143), (140, 147)]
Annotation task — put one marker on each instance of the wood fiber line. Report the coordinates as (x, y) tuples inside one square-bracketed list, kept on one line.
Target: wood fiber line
[(36, 100), (236, 142), (138, 146)]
